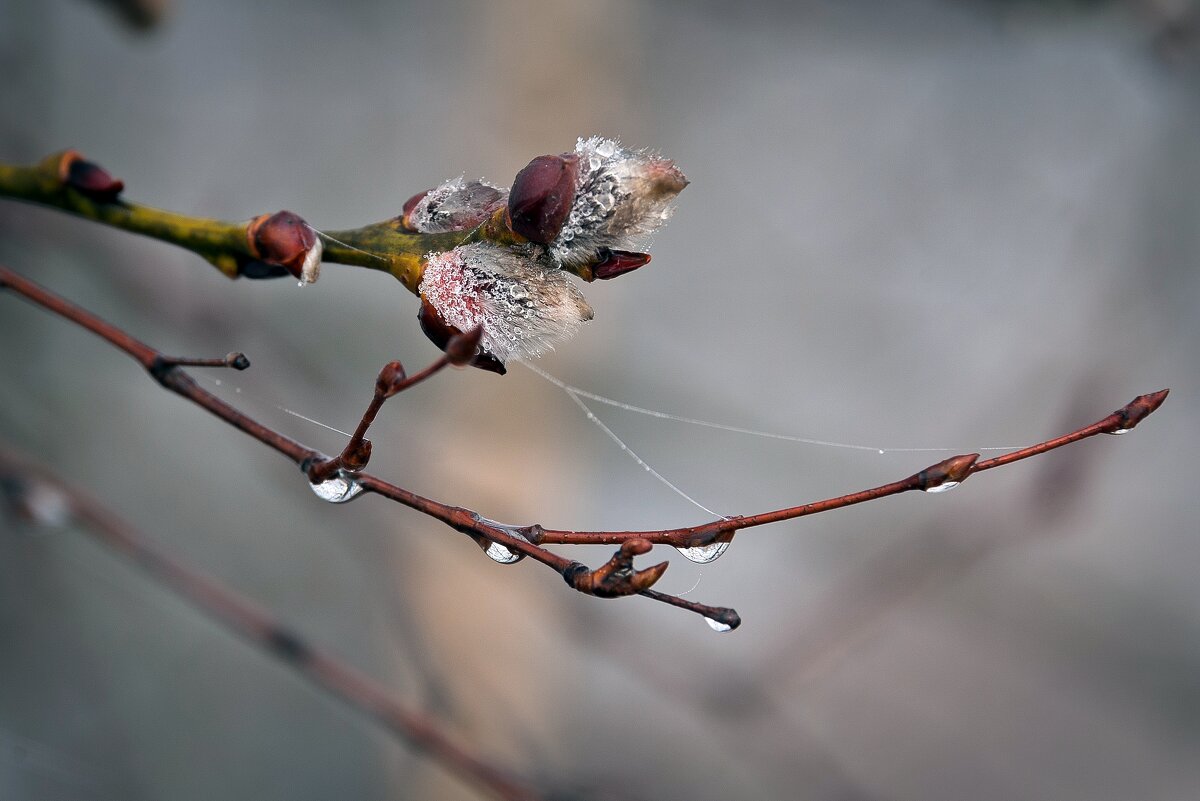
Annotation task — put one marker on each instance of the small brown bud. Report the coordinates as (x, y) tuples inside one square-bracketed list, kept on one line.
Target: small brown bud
[(541, 197), (1138, 409), (618, 262), (237, 361), (461, 349), (286, 240), (90, 180), (440, 333), (947, 474), (389, 380), (356, 456)]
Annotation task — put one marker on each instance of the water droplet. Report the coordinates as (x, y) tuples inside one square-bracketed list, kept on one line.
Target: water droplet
[(606, 149), (46, 505), (717, 625), (338, 489), (300, 284), (705, 553), (945, 486), (1120, 431), (881, 451), (497, 552)]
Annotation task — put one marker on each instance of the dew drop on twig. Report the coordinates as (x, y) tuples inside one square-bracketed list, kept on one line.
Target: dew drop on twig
[(717, 625), (497, 552), (337, 489), (705, 553), (1119, 431), (945, 486), (47, 506)]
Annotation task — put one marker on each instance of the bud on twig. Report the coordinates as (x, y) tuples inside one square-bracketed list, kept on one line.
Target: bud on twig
[(616, 577), (946, 475), (456, 205), (286, 240), (90, 180), (541, 197), (440, 333), (461, 348), (618, 262), (620, 197), (391, 379)]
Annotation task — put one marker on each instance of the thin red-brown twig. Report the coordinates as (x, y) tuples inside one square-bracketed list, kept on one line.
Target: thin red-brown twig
[(21, 481), (616, 578)]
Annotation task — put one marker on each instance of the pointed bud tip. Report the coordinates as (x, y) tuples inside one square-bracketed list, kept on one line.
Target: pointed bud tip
[(645, 579), (666, 177), (1140, 408), (946, 473), (618, 262)]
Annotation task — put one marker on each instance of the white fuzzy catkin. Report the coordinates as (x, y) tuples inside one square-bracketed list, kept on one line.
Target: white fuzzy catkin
[(524, 308), (622, 197), (456, 205)]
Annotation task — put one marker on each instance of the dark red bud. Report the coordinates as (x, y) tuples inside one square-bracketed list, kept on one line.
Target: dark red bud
[(440, 333), (89, 179), (282, 239), (541, 197), (409, 205), (618, 262), (390, 377)]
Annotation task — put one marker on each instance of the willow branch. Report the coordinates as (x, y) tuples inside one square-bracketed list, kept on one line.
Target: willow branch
[(527, 541), (267, 246), (936, 478), (519, 541), (26, 486)]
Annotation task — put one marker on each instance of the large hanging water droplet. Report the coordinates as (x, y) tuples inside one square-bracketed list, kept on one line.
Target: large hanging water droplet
[(945, 486), (705, 553), (497, 552), (338, 489), (717, 625)]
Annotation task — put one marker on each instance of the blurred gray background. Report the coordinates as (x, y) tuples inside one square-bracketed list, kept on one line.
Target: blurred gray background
[(910, 224)]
